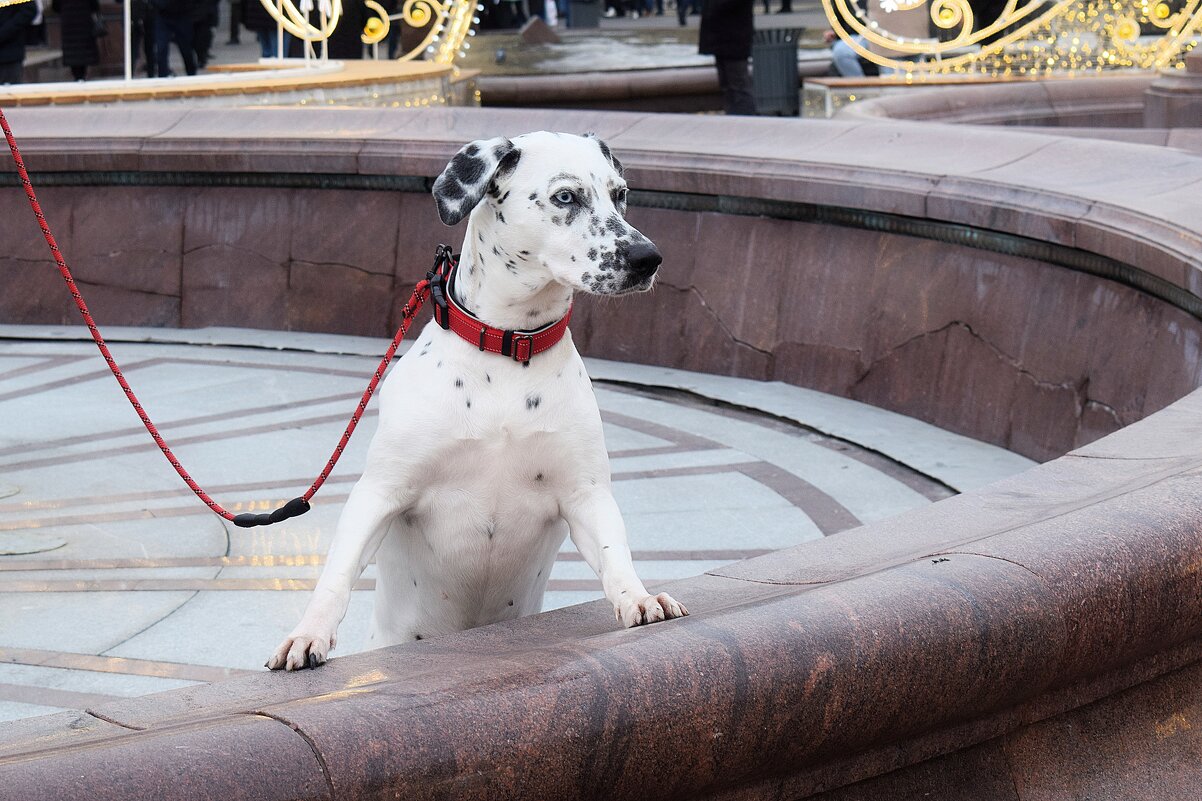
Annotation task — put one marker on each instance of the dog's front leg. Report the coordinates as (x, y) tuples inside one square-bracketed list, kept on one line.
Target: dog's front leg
[(361, 527), (600, 535)]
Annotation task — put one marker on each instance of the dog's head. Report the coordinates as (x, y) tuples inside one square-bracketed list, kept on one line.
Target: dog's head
[(549, 203)]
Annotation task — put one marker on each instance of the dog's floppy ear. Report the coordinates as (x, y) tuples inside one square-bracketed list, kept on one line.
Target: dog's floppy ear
[(605, 151), (468, 175)]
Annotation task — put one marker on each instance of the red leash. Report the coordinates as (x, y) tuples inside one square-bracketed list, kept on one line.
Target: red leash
[(296, 506)]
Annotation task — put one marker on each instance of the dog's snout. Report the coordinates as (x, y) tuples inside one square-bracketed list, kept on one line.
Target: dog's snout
[(644, 259)]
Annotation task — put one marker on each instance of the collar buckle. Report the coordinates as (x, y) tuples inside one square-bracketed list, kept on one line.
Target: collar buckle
[(519, 347)]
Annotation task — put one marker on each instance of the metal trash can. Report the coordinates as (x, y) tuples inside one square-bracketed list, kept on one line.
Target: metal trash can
[(584, 14), (774, 71)]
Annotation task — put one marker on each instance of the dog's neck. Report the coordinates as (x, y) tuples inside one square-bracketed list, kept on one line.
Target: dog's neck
[(512, 298)]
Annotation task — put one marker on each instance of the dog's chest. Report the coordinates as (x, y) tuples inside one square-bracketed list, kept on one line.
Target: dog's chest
[(489, 434)]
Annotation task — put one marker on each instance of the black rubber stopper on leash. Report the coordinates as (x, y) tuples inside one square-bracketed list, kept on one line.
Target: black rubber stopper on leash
[(294, 508)]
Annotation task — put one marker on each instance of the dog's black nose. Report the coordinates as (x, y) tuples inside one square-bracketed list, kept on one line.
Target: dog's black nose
[(644, 259)]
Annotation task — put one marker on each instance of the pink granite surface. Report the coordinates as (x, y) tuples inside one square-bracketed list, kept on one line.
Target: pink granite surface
[(1003, 348)]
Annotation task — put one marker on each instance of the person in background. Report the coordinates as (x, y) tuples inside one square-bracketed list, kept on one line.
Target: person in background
[(845, 62), (235, 22), (683, 10), (205, 17), (80, 49), (141, 36), (35, 34), (14, 20), (173, 23), (256, 19), (726, 29)]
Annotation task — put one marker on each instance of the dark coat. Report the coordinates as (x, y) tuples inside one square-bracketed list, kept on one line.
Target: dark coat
[(255, 17), (79, 45), (14, 20), (726, 28)]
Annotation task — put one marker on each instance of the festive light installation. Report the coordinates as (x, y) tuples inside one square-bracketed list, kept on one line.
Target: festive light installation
[(447, 24), (1029, 38)]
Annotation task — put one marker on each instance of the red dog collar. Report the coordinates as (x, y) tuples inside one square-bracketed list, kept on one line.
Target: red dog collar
[(517, 345)]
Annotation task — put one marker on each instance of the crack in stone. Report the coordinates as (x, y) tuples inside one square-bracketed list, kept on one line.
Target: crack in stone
[(341, 265), (1079, 391), (718, 319)]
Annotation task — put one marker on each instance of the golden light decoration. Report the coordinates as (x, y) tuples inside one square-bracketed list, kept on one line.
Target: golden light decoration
[(296, 21), (449, 24), (1028, 39), (377, 27)]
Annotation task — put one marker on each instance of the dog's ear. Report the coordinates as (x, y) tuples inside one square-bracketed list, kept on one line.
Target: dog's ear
[(468, 175), (605, 151)]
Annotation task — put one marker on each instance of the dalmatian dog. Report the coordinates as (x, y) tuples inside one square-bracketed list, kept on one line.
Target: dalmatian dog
[(482, 464)]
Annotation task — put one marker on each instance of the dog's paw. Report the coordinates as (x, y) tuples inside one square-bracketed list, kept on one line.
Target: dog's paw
[(300, 651), (649, 609)]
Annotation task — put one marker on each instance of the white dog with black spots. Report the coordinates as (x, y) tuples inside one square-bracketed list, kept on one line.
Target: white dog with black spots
[(481, 464)]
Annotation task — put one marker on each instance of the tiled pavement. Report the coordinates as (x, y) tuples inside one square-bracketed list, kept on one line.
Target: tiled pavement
[(143, 589)]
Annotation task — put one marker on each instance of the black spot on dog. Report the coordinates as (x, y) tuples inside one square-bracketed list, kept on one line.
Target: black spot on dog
[(451, 189), (488, 378), (439, 364), (495, 251), (500, 217), (539, 477), (415, 582), (458, 382), (532, 401), (523, 253), (417, 636), (573, 258), (511, 603), (556, 221), (533, 196), (466, 168), (615, 225), (503, 197), (469, 403), (586, 277), (508, 156), (592, 254)]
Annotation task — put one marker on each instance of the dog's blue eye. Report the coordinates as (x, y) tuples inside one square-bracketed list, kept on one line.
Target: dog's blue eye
[(565, 196)]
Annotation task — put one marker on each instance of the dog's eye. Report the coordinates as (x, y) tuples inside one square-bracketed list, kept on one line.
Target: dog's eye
[(620, 197), (565, 196)]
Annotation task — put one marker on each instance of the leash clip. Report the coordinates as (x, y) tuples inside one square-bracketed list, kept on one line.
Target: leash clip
[(444, 262)]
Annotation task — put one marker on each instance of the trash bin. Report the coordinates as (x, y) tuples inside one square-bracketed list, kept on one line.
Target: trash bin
[(774, 71), (584, 14)]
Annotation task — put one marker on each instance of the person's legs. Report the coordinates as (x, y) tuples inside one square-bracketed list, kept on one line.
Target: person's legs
[(79, 73), (162, 46), (845, 60), (181, 34), (734, 78)]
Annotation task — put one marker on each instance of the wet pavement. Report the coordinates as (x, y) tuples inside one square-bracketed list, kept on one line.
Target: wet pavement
[(127, 584), (646, 42)]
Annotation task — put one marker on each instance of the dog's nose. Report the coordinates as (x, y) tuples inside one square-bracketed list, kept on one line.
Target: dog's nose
[(644, 259)]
